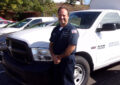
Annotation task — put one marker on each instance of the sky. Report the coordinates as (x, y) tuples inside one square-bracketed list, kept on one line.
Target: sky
[(85, 1)]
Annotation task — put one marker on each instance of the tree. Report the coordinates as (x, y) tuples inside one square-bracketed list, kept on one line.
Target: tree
[(81, 2), (48, 8), (6, 5), (19, 6)]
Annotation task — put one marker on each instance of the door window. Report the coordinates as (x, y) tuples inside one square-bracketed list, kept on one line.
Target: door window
[(110, 18)]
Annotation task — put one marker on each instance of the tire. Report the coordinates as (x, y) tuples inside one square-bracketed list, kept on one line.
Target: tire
[(82, 71)]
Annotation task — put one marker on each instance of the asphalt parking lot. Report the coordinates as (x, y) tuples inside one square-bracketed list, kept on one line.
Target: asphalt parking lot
[(5, 79), (108, 76)]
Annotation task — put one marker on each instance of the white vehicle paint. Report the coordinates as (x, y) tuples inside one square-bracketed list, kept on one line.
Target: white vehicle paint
[(98, 44), (33, 41), (26, 23), (95, 39), (4, 23)]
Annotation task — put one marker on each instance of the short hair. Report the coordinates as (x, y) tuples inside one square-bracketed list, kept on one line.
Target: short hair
[(63, 8)]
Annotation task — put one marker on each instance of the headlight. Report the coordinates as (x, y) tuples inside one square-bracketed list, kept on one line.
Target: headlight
[(41, 54)]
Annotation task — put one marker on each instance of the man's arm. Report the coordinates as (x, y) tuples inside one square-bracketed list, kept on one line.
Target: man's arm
[(55, 58), (68, 51), (50, 48)]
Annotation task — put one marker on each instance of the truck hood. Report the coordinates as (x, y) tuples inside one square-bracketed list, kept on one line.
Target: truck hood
[(36, 37), (8, 30)]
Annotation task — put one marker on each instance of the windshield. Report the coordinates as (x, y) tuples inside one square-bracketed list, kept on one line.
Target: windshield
[(38, 25), (21, 23), (42, 24), (9, 25), (83, 20)]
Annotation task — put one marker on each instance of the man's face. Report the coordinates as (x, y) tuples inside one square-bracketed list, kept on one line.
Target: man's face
[(63, 17)]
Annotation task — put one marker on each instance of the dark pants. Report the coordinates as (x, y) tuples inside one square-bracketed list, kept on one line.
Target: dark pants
[(63, 72)]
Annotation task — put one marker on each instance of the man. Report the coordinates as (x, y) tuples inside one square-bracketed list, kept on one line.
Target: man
[(63, 43)]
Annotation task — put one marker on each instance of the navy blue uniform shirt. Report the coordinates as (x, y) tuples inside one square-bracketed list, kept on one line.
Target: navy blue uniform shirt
[(62, 38)]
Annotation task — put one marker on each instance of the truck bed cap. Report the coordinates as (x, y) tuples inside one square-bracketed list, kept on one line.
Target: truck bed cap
[(105, 4)]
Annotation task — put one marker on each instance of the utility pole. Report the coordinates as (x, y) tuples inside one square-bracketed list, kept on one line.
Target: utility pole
[(81, 2)]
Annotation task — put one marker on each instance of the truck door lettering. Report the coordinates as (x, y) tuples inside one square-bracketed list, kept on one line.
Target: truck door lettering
[(116, 43), (100, 46)]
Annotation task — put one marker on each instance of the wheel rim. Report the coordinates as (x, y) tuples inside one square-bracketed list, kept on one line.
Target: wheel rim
[(79, 74)]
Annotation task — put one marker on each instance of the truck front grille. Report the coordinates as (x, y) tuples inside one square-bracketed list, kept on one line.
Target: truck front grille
[(19, 50)]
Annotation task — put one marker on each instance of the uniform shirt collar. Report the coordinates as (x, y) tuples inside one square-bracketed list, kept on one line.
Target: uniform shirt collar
[(60, 28)]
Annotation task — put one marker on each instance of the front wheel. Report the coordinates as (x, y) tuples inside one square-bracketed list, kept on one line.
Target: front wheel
[(81, 71)]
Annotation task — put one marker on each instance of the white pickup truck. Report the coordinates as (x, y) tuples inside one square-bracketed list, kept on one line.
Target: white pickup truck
[(27, 23), (28, 59)]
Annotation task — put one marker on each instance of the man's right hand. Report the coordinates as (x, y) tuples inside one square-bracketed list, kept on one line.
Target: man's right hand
[(56, 59)]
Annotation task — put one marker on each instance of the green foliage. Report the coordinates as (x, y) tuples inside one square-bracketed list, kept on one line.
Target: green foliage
[(46, 7)]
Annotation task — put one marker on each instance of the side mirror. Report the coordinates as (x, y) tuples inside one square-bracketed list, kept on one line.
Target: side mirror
[(98, 29), (109, 27)]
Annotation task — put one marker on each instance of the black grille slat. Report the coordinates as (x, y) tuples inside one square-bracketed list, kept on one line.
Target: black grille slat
[(19, 50), (18, 45)]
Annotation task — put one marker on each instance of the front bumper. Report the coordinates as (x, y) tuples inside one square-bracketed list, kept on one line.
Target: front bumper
[(36, 73), (2, 44), (2, 48)]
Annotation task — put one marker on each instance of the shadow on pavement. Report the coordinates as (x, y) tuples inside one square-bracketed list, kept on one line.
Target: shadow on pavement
[(106, 76)]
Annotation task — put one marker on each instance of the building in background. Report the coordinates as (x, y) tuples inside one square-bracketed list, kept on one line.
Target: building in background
[(59, 1), (78, 2)]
